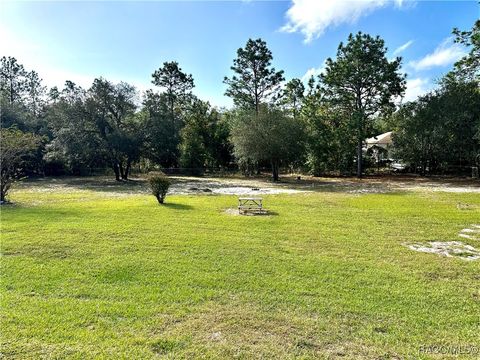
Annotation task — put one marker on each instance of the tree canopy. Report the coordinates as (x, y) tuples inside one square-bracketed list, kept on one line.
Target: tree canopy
[(468, 66), (270, 136), (363, 82), (254, 80), (318, 126)]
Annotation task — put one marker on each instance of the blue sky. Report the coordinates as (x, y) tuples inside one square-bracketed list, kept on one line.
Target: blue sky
[(129, 40)]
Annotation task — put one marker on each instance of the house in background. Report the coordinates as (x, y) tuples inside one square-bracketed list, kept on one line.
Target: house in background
[(380, 146)]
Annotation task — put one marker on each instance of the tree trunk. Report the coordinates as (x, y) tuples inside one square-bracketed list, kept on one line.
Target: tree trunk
[(116, 170), (122, 172), (11, 92), (275, 170), (127, 169), (359, 157), (3, 193)]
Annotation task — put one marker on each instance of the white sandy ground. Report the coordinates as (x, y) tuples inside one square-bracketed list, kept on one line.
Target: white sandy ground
[(183, 185), (448, 249), (452, 248), (229, 187), (471, 233), (248, 186)]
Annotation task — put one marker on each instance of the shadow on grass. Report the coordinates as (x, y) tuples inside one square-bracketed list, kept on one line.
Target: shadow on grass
[(176, 206), (92, 183), (26, 212), (272, 213), (235, 212)]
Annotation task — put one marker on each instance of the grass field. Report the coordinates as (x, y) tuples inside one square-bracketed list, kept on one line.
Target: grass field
[(93, 274)]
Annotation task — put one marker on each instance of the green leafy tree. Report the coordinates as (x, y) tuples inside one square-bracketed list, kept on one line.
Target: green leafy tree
[(330, 146), (112, 107), (362, 82), (76, 146), (217, 141), (12, 79), (53, 94), (166, 112), (254, 81), (13, 115), (18, 155), (177, 85), (293, 95), (439, 131), (468, 67), (271, 135), (35, 93), (159, 185), (162, 139), (416, 138), (193, 154), (205, 138), (22, 97)]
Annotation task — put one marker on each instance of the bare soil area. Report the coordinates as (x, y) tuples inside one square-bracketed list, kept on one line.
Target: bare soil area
[(291, 184)]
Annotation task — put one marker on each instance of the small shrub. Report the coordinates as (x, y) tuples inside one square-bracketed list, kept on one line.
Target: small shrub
[(159, 185)]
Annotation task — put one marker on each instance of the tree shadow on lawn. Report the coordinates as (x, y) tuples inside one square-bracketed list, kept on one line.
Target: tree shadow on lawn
[(177, 206), (235, 212), (92, 183), (26, 212), (349, 188)]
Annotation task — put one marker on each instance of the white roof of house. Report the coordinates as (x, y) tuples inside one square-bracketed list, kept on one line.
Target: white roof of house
[(380, 140)]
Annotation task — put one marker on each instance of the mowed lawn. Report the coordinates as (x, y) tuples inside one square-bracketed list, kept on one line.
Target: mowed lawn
[(92, 274)]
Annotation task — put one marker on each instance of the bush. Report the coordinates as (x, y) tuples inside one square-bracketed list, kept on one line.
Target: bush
[(159, 185)]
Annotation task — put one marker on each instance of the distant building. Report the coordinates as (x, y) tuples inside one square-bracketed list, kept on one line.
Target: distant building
[(380, 146)]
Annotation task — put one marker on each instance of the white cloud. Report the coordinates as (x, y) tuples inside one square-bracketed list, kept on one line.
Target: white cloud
[(313, 17), (313, 72), (415, 88), (403, 47), (445, 54)]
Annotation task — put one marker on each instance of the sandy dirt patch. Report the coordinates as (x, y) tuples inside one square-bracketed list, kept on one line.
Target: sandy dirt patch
[(447, 248), (197, 185), (471, 233), (289, 184)]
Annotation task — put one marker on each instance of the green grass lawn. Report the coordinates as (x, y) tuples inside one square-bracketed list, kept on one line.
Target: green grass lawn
[(88, 274)]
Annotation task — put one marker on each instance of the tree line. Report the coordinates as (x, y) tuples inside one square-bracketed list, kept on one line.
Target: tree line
[(317, 127)]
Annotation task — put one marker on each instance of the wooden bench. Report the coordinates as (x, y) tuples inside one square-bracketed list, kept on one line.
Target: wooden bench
[(250, 205)]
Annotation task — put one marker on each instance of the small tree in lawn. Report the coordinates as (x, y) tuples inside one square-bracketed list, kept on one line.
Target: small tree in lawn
[(159, 185), (18, 151)]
